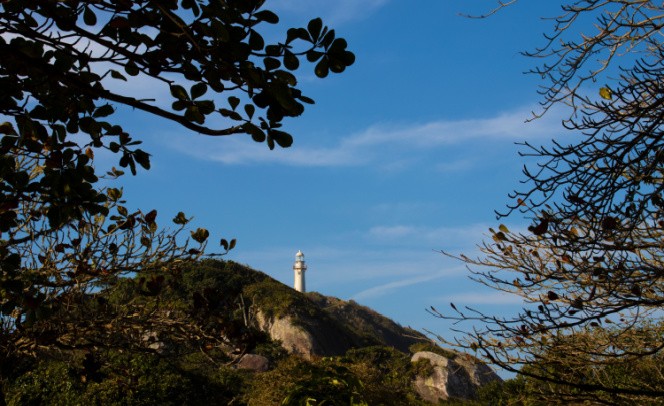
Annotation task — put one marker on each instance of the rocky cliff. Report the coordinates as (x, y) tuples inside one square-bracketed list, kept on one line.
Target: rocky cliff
[(313, 325), (333, 327), (453, 376)]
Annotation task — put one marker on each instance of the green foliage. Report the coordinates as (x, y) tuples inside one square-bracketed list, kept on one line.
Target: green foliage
[(431, 347), (115, 378), (504, 393), (387, 375), (271, 349), (371, 327), (423, 367), (561, 365), (209, 294), (224, 276), (54, 382), (278, 300), (298, 382), (372, 376)]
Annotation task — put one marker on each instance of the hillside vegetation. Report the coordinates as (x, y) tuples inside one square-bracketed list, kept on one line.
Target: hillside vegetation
[(365, 357)]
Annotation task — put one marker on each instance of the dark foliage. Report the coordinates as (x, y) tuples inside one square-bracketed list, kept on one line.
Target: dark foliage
[(64, 236)]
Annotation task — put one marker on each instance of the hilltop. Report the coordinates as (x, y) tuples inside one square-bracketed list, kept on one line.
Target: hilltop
[(260, 343)]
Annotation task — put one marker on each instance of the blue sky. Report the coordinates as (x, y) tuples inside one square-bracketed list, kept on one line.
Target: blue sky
[(406, 153)]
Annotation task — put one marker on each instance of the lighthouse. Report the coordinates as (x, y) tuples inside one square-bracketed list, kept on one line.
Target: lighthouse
[(299, 267)]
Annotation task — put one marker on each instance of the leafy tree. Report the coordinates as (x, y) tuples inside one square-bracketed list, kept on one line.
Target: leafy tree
[(297, 382), (590, 268), (387, 375), (116, 377), (627, 371), (63, 236)]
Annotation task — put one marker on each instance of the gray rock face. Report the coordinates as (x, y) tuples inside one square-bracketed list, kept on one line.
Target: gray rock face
[(307, 337), (459, 377), (294, 339)]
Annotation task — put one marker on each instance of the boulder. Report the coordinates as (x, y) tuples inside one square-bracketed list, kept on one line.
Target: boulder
[(253, 362), (294, 339), (457, 377)]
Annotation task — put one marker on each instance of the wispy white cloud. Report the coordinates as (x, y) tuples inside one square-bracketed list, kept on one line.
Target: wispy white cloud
[(465, 237), (403, 208), (392, 232), (376, 144), (390, 287), (242, 151), (509, 125), (456, 165)]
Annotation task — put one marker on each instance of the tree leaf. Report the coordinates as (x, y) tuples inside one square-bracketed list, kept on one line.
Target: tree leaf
[(131, 68), (284, 140), (271, 63), (256, 133), (267, 16), (290, 60), (117, 75), (200, 235), (180, 218), (142, 158), (114, 193), (256, 41), (179, 93), (151, 216), (198, 90), (103, 111), (605, 93), (314, 27), (249, 109), (233, 102), (322, 68), (89, 16)]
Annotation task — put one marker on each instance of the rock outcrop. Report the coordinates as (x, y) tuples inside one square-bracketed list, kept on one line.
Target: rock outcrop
[(457, 377), (333, 327), (307, 337)]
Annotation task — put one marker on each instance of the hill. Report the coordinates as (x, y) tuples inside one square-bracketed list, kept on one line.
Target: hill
[(253, 341)]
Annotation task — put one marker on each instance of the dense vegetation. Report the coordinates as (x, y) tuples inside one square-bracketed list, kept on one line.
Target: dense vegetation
[(222, 297)]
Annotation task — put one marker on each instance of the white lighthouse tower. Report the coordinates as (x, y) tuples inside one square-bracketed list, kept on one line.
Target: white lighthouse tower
[(299, 267)]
